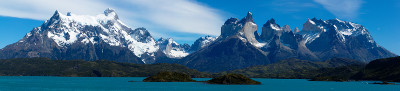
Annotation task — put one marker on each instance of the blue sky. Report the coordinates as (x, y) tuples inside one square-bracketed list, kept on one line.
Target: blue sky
[(187, 20)]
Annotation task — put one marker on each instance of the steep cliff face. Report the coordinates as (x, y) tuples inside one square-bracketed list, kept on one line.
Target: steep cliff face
[(236, 48), (270, 29), (282, 43), (245, 29)]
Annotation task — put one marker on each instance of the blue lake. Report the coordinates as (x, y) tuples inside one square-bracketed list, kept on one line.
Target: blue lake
[(43, 83)]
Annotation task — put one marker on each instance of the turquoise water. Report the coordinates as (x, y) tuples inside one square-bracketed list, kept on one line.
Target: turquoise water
[(41, 83)]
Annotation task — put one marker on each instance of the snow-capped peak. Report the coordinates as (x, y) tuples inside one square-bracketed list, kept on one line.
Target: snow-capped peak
[(339, 20), (56, 13), (249, 13), (108, 11), (172, 49), (310, 21), (271, 23), (313, 28), (347, 28), (68, 29), (111, 13), (202, 42), (205, 41), (171, 41), (100, 19)]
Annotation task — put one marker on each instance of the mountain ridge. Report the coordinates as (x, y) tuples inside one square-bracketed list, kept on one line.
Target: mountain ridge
[(240, 45), (64, 32), (319, 40)]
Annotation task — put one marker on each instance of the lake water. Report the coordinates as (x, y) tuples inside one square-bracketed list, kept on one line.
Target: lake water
[(42, 83)]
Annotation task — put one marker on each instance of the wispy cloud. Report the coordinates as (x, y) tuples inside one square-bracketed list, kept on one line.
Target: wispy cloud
[(342, 8), (161, 15), (43, 9)]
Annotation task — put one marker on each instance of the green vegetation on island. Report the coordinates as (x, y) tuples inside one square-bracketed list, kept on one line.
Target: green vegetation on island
[(169, 77), (233, 79)]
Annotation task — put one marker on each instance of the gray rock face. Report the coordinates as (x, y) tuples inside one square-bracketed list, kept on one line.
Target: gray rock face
[(245, 28), (141, 35), (225, 54), (286, 28), (269, 30), (234, 49), (282, 43), (229, 28), (202, 42), (314, 25), (172, 49), (296, 30)]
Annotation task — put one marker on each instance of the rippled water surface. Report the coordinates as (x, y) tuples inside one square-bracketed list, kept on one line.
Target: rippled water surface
[(43, 83)]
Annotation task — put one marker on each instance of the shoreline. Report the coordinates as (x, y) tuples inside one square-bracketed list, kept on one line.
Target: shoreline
[(206, 78)]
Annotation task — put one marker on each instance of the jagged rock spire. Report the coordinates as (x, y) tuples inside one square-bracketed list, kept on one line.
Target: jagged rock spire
[(56, 15), (55, 18), (69, 14), (108, 11), (286, 28), (270, 29), (111, 12), (269, 22), (231, 21), (229, 27), (296, 30), (248, 18)]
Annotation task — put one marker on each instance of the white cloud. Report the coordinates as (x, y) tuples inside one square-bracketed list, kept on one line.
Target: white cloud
[(342, 8), (43, 9), (164, 15)]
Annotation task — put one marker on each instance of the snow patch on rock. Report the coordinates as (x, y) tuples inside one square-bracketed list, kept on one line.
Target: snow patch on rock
[(67, 29)]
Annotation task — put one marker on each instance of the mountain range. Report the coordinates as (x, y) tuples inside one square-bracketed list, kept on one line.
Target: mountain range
[(105, 36)]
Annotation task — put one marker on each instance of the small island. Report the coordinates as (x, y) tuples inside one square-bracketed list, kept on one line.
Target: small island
[(169, 77), (384, 83), (233, 79)]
